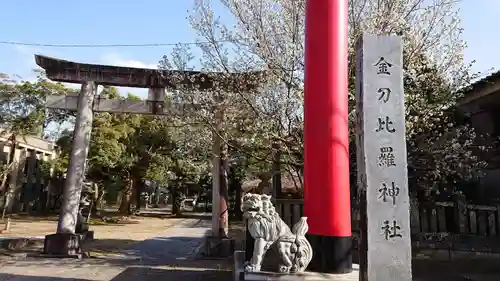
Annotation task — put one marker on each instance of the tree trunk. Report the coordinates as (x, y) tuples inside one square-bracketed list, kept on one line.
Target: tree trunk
[(139, 188), (5, 180), (263, 187), (12, 150), (224, 195), (237, 204), (157, 197), (276, 174), (175, 203), (126, 199), (98, 200)]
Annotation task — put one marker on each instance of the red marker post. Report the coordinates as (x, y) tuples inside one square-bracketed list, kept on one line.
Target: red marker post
[(326, 136)]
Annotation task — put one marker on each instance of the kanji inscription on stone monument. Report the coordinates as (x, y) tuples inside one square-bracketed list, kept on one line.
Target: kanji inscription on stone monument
[(385, 250), (385, 124), (389, 193), (385, 94)]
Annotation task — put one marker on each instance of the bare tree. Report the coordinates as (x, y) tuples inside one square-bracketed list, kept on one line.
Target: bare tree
[(269, 34)]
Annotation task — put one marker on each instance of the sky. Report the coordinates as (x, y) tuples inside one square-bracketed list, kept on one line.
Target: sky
[(160, 21)]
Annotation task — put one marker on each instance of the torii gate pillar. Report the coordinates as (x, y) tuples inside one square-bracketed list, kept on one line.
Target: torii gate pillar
[(65, 241), (326, 136)]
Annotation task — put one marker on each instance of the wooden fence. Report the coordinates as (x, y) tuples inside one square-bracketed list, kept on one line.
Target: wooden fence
[(450, 226), (458, 218), (438, 217)]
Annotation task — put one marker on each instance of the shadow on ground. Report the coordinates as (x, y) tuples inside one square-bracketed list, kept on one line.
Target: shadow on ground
[(140, 273), (158, 251), (187, 274), (97, 247), (163, 215), (114, 219), (480, 269), (15, 277)]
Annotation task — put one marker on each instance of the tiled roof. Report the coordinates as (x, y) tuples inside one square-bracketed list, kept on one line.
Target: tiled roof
[(481, 83)]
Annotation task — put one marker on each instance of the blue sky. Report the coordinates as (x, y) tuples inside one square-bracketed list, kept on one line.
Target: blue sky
[(159, 21)]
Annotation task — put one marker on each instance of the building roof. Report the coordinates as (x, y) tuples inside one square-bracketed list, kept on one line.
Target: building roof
[(481, 88), (31, 142), (483, 82)]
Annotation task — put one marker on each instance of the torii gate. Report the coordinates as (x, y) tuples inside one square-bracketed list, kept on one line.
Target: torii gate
[(65, 242)]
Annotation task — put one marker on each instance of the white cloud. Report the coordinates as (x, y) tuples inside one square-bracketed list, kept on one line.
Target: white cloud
[(117, 60)]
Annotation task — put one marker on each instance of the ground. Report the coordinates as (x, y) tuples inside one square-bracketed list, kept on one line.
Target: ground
[(164, 248), (149, 249)]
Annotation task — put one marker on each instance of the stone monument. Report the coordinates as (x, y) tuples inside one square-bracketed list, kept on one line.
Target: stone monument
[(385, 249)]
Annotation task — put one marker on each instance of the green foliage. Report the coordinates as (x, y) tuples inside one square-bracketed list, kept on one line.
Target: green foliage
[(142, 147), (22, 106)]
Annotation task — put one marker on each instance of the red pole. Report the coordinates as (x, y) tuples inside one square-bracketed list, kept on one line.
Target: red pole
[(326, 136)]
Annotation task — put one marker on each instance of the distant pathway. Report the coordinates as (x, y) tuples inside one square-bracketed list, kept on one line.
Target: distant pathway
[(179, 242)]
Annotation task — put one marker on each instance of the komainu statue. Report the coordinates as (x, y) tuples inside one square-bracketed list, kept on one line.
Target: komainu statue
[(269, 230)]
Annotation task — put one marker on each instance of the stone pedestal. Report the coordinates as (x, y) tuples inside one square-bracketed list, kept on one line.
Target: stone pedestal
[(240, 275), (63, 245), (217, 247)]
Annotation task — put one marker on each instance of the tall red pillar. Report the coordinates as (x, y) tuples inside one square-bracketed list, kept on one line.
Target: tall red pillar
[(326, 136)]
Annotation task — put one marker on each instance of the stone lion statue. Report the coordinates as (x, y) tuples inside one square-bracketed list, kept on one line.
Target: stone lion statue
[(268, 230)]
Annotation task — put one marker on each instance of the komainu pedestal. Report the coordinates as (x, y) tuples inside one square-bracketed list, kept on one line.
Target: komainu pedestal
[(269, 230)]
